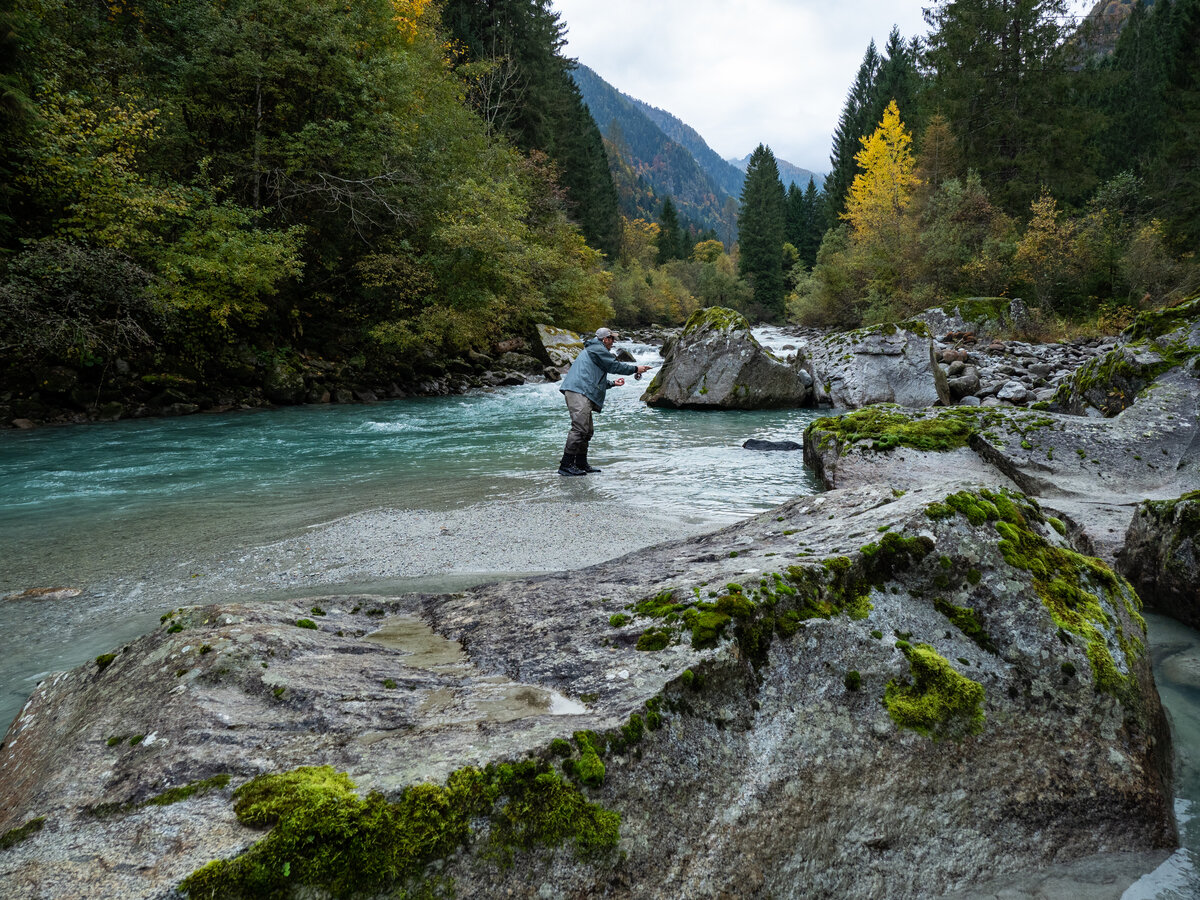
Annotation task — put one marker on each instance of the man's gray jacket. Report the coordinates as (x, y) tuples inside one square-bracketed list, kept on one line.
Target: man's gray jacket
[(589, 373)]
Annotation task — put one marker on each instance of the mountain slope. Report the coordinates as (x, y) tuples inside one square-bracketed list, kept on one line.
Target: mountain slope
[(666, 166), (727, 177)]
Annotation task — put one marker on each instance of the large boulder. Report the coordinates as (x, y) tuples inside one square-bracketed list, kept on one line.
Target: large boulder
[(880, 364), (1156, 343), (983, 318), (861, 693), (560, 345), (1161, 556), (1093, 472), (716, 363)]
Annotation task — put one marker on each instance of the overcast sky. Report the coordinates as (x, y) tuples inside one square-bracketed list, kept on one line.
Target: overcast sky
[(741, 72)]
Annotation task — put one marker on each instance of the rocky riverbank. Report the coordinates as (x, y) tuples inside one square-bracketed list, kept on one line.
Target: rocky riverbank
[(909, 685)]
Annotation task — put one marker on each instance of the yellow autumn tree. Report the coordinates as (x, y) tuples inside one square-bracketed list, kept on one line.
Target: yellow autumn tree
[(883, 189)]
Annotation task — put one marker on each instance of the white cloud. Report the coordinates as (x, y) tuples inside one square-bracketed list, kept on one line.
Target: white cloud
[(741, 72)]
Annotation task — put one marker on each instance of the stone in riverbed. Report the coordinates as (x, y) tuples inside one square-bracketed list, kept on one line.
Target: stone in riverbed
[(1161, 556), (716, 363), (881, 364), (755, 444)]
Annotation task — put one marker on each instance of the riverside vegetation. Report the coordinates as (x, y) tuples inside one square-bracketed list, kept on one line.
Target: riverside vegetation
[(199, 209)]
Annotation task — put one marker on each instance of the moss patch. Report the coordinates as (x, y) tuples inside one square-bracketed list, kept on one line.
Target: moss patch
[(937, 702), (967, 621), (14, 836), (1072, 587), (324, 836)]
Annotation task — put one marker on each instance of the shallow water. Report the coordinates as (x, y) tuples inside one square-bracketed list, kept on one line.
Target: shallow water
[(122, 509)]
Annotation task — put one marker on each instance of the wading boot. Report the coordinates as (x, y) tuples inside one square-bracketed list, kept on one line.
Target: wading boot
[(568, 467), (582, 463)]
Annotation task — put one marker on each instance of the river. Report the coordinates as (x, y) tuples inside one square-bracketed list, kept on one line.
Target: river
[(144, 515)]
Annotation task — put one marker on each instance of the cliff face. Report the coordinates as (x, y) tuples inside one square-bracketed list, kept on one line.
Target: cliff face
[(865, 692)]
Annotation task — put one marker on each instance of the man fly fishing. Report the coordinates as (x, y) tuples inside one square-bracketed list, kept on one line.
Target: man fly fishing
[(584, 388)]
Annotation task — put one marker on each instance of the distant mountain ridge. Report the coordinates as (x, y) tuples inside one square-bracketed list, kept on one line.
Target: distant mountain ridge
[(789, 174), (728, 177), (665, 167), (659, 155)]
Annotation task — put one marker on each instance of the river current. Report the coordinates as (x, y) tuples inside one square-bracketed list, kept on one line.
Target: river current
[(120, 510)]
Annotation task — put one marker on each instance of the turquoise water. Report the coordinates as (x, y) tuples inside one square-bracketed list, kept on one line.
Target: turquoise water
[(111, 508)]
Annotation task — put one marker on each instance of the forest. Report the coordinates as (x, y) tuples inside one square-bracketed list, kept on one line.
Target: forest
[(202, 200)]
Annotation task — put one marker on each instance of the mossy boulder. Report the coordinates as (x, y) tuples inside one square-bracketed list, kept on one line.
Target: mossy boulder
[(987, 318), (559, 344), (1154, 344), (880, 364), (1161, 556), (530, 747), (716, 363)]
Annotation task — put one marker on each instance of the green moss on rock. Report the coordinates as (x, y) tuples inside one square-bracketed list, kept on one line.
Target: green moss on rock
[(937, 702), (325, 837), (14, 836)]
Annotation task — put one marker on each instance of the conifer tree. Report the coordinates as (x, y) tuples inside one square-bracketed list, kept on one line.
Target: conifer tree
[(881, 79), (670, 236), (761, 232), (815, 224), (1004, 75)]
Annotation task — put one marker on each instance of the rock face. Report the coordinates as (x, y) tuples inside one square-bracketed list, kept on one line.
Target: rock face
[(863, 693), (1156, 343), (1161, 556), (1093, 472), (716, 363), (882, 364)]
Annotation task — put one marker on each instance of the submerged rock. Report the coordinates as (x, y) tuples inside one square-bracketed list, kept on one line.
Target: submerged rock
[(891, 668), (881, 364), (716, 363), (771, 446)]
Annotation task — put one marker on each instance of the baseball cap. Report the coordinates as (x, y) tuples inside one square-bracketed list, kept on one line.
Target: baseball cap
[(602, 333)]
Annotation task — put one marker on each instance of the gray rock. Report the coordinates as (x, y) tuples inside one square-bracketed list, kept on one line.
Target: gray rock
[(756, 748), (755, 444), (283, 383), (520, 362), (882, 364), (716, 363), (561, 345), (1155, 343), (1013, 391), (1161, 556)]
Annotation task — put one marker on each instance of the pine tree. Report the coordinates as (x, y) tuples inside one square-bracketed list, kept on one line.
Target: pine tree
[(880, 80), (815, 224), (761, 232), (850, 129), (670, 237), (1004, 75)]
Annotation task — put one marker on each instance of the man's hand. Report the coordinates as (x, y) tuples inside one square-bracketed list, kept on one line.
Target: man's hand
[(641, 369), (620, 382)]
